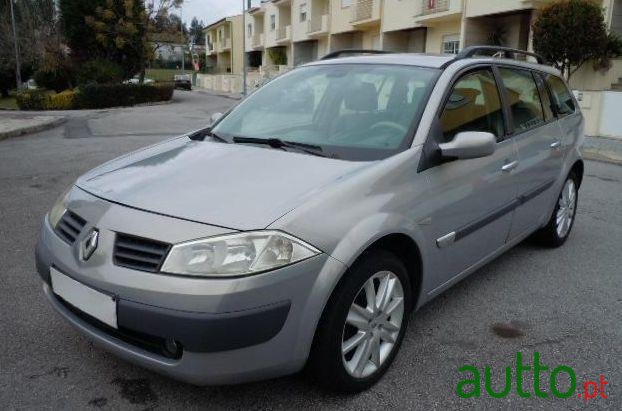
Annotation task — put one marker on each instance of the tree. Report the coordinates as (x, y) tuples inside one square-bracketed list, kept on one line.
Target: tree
[(196, 31), (35, 23), (571, 32), (79, 36), (120, 33), (112, 30), (161, 28)]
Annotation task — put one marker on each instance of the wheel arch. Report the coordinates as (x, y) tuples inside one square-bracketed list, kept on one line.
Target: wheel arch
[(578, 168), (406, 249)]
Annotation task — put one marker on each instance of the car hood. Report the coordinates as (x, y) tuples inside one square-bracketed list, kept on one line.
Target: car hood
[(233, 186)]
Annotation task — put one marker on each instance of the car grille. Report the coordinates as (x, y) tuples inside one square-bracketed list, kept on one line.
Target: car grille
[(69, 226), (139, 253)]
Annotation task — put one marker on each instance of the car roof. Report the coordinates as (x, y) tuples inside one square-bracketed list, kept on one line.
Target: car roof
[(439, 61)]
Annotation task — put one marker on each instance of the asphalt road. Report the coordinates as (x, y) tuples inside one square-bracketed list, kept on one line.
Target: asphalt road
[(565, 303)]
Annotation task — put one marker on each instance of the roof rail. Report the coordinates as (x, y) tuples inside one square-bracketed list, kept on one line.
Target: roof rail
[(340, 53), (496, 51)]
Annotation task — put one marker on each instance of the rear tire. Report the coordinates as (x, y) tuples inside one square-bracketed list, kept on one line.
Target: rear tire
[(363, 325), (558, 229)]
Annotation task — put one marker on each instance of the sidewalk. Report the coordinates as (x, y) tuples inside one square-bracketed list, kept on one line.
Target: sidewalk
[(12, 126), (605, 149)]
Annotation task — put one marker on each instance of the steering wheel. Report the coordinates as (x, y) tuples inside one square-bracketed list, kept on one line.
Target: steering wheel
[(390, 124)]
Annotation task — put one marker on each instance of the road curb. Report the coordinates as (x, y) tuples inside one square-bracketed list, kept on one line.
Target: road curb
[(604, 149), (602, 156), (32, 129)]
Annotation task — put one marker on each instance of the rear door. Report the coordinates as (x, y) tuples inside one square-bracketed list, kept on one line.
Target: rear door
[(537, 135), (471, 200)]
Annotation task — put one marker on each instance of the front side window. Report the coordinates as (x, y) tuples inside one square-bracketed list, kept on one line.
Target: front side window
[(473, 105), (355, 112), (250, 30), (346, 3), (562, 98), (303, 12), (272, 22), (523, 98)]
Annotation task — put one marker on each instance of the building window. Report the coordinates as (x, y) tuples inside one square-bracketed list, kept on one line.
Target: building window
[(250, 30), (273, 22), (303, 12), (346, 3), (451, 44)]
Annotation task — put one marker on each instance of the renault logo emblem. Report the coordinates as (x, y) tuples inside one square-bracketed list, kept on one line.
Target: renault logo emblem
[(89, 244)]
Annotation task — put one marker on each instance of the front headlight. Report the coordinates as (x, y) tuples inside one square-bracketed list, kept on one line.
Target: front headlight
[(236, 254), (59, 207)]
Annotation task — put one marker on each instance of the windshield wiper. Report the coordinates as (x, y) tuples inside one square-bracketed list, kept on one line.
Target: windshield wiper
[(278, 143), (201, 134)]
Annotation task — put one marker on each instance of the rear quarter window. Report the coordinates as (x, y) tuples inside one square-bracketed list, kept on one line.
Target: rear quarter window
[(562, 97)]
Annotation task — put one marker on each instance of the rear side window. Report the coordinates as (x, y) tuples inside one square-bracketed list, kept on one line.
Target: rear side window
[(523, 98), (473, 105), (562, 98)]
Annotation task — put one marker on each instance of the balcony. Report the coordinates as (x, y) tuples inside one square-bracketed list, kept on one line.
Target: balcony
[(257, 41), (365, 12), (225, 44), (439, 10), (319, 26), (434, 6), (283, 34)]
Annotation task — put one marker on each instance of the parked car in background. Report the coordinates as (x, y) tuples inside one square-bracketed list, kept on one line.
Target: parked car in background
[(31, 84), (183, 81), (136, 80), (307, 224)]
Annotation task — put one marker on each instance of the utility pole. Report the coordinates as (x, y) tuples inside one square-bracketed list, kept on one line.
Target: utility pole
[(18, 74), (183, 42), (244, 46)]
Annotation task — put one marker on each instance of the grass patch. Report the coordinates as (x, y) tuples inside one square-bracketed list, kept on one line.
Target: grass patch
[(164, 74), (8, 103)]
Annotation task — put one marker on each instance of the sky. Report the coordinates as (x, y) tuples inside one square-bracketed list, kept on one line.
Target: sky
[(211, 10)]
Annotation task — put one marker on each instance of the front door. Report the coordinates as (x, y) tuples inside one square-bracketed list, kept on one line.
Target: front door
[(472, 199), (538, 139)]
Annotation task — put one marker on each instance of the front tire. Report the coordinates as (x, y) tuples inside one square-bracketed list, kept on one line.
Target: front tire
[(557, 230), (363, 324)]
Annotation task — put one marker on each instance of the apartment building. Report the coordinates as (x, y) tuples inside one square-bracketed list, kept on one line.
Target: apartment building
[(223, 45), (281, 34)]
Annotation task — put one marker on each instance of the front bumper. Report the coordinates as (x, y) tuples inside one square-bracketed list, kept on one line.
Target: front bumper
[(230, 330)]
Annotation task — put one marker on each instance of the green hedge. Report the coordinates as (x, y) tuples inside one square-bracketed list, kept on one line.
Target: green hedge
[(114, 95), (32, 99), (95, 96)]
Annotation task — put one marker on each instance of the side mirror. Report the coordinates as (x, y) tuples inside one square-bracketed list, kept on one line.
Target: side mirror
[(469, 144), (214, 118)]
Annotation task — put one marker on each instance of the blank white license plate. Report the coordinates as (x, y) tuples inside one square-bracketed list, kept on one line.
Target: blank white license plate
[(92, 302)]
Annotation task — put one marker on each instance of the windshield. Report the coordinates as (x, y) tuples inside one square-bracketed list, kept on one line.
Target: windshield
[(352, 112)]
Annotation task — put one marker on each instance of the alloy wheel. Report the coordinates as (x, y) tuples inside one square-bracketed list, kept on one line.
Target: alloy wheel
[(373, 324), (566, 210)]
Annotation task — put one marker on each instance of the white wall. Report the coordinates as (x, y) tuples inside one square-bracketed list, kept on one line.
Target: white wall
[(601, 110)]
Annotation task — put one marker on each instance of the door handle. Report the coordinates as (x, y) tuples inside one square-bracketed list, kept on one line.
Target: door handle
[(510, 166), (556, 145)]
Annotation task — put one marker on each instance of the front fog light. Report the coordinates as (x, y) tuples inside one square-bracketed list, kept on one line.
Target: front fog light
[(237, 254)]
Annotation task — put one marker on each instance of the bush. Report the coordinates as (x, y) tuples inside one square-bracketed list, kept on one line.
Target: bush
[(32, 99), (116, 95), (60, 101), (57, 79), (99, 71), (94, 96)]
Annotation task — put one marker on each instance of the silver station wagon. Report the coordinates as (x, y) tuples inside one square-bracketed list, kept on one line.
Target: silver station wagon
[(307, 224)]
